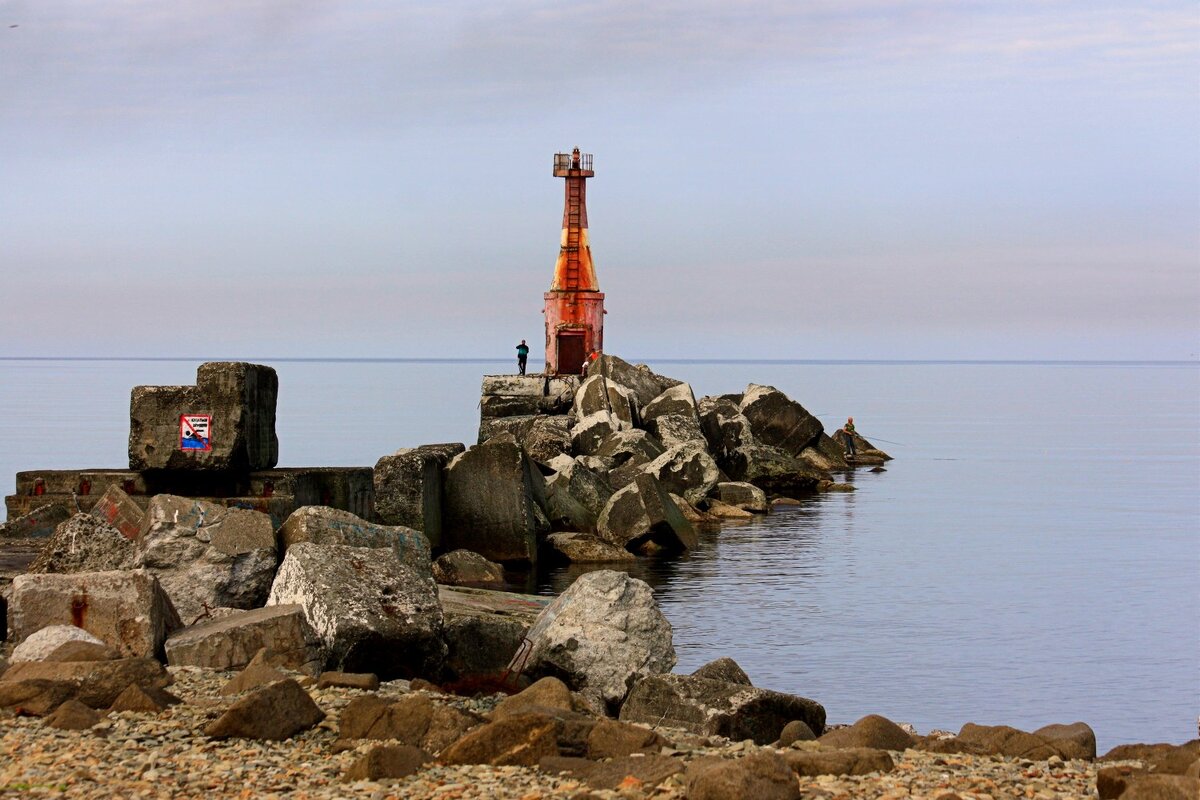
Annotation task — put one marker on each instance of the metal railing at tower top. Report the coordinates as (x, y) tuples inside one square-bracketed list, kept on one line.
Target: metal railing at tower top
[(563, 162)]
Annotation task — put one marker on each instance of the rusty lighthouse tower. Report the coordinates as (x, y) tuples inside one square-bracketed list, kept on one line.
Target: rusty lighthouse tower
[(574, 305)]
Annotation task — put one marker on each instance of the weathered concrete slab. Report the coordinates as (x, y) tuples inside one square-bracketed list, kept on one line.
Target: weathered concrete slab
[(230, 642), (125, 609), (484, 629), (225, 422), (408, 487), (494, 497), (38, 523), (118, 509), (321, 525)]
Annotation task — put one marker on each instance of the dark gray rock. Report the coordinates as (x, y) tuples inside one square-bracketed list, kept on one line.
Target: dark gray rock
[(725, 670), (275, 712), (372, 612), (642, 515), (677, 400), (207, 556), (408, 488), (600, 635), (597, 394), (676, 429), (745, 496), (590, 432), (708, 707), (626, 447), (484, 629), (238, 398), (779, 421), (85, 544), (575, 496), (644, 383), (773, 470), (584, 548), (323, 525), (686, 470), (494, 497), (467, 568)]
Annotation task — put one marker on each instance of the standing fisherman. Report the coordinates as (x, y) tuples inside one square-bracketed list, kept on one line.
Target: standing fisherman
[(847, 432), (522, 356)]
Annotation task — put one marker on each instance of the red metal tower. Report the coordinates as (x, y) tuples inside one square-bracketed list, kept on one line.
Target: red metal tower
[(574, 305)]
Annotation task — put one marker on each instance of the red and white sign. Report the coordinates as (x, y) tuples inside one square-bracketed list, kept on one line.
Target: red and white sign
[(195, 432)]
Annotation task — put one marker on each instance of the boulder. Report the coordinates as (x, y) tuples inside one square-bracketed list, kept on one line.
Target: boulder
[(678, 400), (584, 548), (224, 423), (548, 436), (371, 611), (745, 496), (125, 609), (84, 543), (778, 421), (520, 740), (708, 707), (257, 673), (852, 761), (73, 716), (795, 731), (323, 525), (408, 488), (686, 470), (207, 556), (232, 641), (484, 630), (590, 432), (640, 380), (144, 700), (414, 719), (772, 469), (872, 731), (641, 772), (45, 644), (597, 394), (387, 761), (725, 511), (724, 426), (546, 693), (1079, 734), (118, 509), (834, 452), (600, 635), (610, 738), (494, 496), (94, 683), (575, 496), (275, 712), (519, 395), (642, 516), (676, 429), (467, 568), (1008, 741), (725, 670), (629, 447), (763, 776)]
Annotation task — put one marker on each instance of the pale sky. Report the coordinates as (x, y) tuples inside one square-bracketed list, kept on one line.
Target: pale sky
[(831, 179)]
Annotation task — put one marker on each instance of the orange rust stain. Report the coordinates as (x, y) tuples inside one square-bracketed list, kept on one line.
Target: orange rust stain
[(79, 608)]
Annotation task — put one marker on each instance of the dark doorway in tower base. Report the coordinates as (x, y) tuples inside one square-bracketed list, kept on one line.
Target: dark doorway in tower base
[(570, 353)]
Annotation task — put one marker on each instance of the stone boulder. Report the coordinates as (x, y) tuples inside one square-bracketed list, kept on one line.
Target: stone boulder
[(589, 432), (493, 504), (73, 716), (575, 496), (387, 761), (676, 429), (127, 610), (232, 641), (1008, 741), (584, 548), (762, 776), (39, 687), (709, 707), (484, 630), (521, 740), (1079, 734), (597, 394), (467, 568), (371, 611), (686, 470), (725, 670), (207, 556), (640, 380), (541, 437), (238, 401), (84, 543), (678, 400), (745, 496), (773, 470), (39, 523), (600, 635), (629, 447), (873, 731), (323, 525), (48, 643), (275, 712), (778, 421), (642, 517), (851, 761), (414, 719), (408, 488)]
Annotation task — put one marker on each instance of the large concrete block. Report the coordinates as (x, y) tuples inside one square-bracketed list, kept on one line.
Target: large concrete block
[(225, 422), (118, 509), (494, 500), (779, 421), (231, 641), (125, 609), (321, 525), (642, 517), (484, 629), (408, 488)]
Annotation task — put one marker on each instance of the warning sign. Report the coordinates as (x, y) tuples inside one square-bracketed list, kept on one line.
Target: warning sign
[(194, 432)]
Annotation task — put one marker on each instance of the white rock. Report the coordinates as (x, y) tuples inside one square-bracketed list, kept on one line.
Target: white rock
[(42, 643)]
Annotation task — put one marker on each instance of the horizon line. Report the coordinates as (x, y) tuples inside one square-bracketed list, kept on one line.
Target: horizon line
[(669, 360)]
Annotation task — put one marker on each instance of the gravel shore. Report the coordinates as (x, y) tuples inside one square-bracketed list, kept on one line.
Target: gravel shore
[(152, 756)]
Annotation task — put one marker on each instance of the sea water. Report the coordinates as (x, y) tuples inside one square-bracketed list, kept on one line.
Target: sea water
[(1032, 554)]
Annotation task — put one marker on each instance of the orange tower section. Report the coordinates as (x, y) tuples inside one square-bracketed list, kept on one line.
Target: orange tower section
[(574, 305)]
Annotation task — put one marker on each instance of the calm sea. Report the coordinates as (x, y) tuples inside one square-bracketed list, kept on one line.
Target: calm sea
[(1031, 556)]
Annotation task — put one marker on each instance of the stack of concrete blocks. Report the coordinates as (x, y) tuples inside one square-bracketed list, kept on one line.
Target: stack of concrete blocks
[(236, 467)]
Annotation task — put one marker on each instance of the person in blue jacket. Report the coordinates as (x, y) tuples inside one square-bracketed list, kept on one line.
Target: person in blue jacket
[(522, 356)]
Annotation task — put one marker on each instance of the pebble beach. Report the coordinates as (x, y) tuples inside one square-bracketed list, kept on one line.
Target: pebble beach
[(165, 756)]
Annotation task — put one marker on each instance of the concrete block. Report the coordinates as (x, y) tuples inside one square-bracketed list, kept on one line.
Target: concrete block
[(230, 642), (408, 488), (225, 422)]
